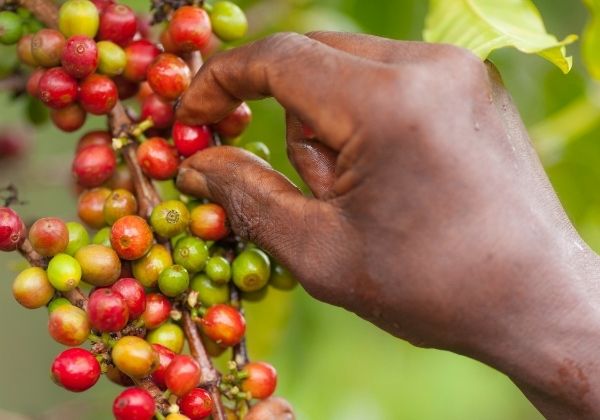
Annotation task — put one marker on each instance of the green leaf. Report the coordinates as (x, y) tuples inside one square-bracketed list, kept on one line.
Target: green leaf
[(591, 39), (483, 26)]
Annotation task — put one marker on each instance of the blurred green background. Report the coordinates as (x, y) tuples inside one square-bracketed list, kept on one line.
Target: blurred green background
[(332, 365)]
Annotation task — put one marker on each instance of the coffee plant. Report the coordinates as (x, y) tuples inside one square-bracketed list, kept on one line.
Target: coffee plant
[(154, 273)]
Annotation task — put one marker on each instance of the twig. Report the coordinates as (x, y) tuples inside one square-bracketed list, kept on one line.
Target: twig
[(240, 351), (15, 83), (32, 257)]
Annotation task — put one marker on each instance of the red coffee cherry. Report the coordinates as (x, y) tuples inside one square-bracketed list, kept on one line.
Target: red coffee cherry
[(94, 165), (209, 222), (69, 325), (158, 159), (140, 54), (190, 28), (131, 237), (167, 42), (158, 310), (165, 357), (159, 111), (57, 88), (134, 404), (98, 94), (118, 24), (224, 324), (133, 294), (169, 76), (49, 236), (261, 381), (12, 230), (190, 139), (76, 370), (92, 138), (33, 83), (107, 311), (80, 56), (197, 404), (127, 89), (182, 375), (69, 119), (90, 207), (47, 46), (101, 5), (234, 124)]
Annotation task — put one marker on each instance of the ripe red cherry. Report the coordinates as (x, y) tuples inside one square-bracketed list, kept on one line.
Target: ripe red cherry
[(158, 310), (261, 381), (91, 205), (190, 139), (76, 370), (69, 119), (12, 230), (49, 236), (101, 5), (94, 165), (209, 222), (127, 89), (165, 357), (197, 404), (234, 124), (140, 54), (190, 28), (33, 83), (131, 237), (182, 375), (158, 158), (92, 138), (80, 56), (107, 311), (57, 88), (134, 404), (224, 324), (169, 76), (98, 94), (160, 112), (118, 24), (133, 294)]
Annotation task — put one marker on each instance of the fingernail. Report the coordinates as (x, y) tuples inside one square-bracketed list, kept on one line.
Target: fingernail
[(192, 182)]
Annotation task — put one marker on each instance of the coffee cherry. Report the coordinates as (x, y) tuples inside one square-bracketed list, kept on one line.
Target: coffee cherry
[(32, 289), (47, 46), (218, 269), (197, 404), (49, 236), (147, 269), (101, 5), (107, 310), (90, 207), (134, 404), (98, 94), (131, 237), (165, 357), (209, 293), (191, 253), (177, 416), (94, 165), (69, 325), (100, 265), (78, 238), (170, 218), (57, 89), (126, 88), (224, 324), (167, 43), (159, 111), (33, 82), (102, 237), (94, 138), (228, 21), (281, 278), (118, 24), (119, 203), (259, 149), (251, 270), (234, 124), (69, 119), (212, 348), (57, 303), (191, 139), (76, 370), (140, 54), (112, 60), (169, 76), (173, 281), (80, 56), (261, 381), (158, 310), (209, 222), (134, 357), (121, 179), (158, 159), (64, 272), (133, 294), (11, 28), (78, 17), (12, 230), (116, 376), (190, 28), (24, 51), (168, 335), (182, 375)]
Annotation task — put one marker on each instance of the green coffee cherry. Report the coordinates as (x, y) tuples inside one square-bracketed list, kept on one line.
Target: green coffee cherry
[(56, 303), (228, 21), (218, 269), (78, 238), (64, 272), (11, 28), (170, 218), (281, 278), (259, 149), (148, 268), (209, 293), (168, 335), (251, 270), (173, 281), (102, 237), (111, 58), (191, 253)]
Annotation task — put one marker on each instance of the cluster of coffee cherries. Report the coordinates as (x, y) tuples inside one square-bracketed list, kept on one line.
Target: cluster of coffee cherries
[(118, 281)]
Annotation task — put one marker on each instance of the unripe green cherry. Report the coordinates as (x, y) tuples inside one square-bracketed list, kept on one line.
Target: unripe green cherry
[(64, 272), (32, 289), (57, 303), (147, 269), (78, 237), (281, 278), (168, 335), (228, 21), (218, 269), (251, 270), (78, 17), (259, 149), (111, 58), (135, 357), (170, 218), (102, 237), (173, 281), (191, 253), (11, 28), (209, 293)]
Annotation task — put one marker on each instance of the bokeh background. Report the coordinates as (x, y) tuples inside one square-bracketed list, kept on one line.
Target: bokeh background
[(332, 365)]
